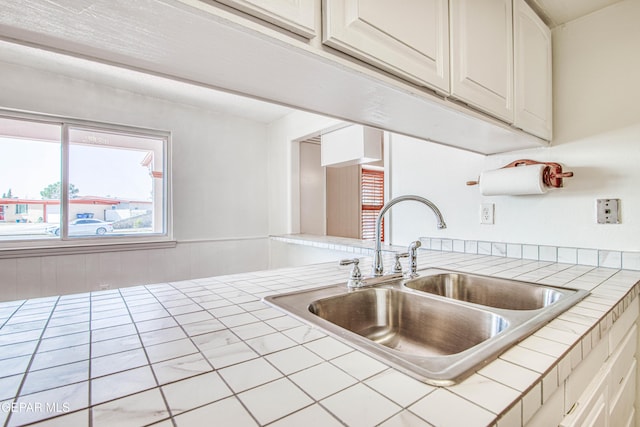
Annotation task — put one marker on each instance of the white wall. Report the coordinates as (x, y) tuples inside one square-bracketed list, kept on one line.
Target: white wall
[(284, 167), (219, 186), (437, 173), (597, 136), (313, 218), (294, 255)]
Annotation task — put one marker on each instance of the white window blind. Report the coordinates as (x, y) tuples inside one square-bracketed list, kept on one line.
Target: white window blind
[(372, 187)]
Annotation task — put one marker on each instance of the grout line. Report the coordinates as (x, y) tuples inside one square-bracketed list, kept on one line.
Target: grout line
[(33, 355), (149, 365), (90, 380)]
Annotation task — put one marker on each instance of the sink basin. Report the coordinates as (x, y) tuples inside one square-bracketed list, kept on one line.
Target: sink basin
[(408, 323), (489, 291), (440, 327)]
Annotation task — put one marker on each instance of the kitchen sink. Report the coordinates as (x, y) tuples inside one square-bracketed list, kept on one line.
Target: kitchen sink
[(440, 327), (408, 323), (489, 291)]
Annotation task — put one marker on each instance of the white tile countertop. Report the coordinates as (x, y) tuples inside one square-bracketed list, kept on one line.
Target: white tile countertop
[(210, 352)]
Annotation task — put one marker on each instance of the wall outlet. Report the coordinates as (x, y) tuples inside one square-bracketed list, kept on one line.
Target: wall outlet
[(486, 213), (608, 211)]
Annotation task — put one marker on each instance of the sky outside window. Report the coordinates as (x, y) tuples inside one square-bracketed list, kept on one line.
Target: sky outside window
[(27, 166), (109, 172)]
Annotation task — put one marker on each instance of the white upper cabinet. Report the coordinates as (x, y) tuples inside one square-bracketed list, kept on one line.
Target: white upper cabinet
[(482, 55), (297, 16), (408, 38), (533, 102)]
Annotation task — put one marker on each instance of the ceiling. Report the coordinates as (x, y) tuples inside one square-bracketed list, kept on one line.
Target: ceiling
[(558, 12)]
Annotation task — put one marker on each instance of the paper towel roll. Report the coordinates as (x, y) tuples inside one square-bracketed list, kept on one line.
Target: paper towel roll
[(519, 180)]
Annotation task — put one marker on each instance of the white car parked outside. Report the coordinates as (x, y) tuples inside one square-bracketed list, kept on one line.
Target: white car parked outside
[(84, 227)]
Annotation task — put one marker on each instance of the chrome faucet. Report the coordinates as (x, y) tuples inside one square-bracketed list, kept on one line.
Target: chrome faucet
[(378, 268)]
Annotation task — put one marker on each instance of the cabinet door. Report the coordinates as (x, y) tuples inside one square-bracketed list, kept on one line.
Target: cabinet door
[(482, 55), (298, 16), (622, 359), (591, 409), (532, 47), (408, 38), (621, 405)]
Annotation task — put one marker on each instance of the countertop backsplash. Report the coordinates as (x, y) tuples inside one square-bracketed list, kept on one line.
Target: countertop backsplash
[(565, 255)]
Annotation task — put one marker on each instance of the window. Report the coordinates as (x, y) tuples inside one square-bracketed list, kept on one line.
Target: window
[(372, 187), (72, 180)]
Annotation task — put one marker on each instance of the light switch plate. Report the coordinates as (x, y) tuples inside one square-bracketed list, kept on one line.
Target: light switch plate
[(608, 211)]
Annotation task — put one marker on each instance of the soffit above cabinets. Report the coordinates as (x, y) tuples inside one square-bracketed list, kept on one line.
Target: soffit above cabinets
[(142, 83), (558, 12)]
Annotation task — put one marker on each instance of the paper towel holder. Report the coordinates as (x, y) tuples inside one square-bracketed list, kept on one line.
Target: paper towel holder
[(552, 174)]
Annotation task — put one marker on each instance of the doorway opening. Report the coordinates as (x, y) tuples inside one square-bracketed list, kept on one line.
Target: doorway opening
[(338, 201)]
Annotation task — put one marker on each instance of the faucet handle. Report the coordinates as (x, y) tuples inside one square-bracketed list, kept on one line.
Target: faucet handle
[(355, 280), (355, 261), (397, 267)]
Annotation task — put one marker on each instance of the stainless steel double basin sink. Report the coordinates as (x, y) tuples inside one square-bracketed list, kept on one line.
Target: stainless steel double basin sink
[(439, 327)]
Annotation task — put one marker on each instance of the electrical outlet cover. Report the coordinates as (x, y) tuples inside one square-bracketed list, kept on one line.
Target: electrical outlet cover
[(486, 213)]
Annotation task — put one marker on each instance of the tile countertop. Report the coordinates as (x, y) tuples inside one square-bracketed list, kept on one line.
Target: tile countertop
[(209, 351)]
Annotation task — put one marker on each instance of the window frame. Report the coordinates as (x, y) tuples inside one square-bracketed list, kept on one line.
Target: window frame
[(65, 245)]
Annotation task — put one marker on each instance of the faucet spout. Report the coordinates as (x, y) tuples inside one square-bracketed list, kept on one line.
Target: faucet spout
[(378, 268)]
